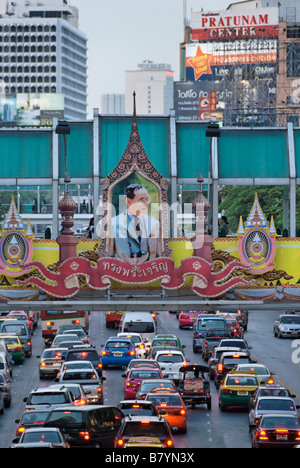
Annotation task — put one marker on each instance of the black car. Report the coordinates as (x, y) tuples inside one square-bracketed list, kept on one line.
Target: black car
[(276, 431), (34, 418), (87, 426), (85, 353), (144, 426), (138, 408)]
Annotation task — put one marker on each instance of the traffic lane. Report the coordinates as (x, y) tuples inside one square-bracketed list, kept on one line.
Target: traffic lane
[(277, 354), (25, 378)]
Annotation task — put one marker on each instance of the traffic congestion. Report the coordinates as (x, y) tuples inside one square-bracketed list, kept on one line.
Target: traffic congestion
[(142, 379)]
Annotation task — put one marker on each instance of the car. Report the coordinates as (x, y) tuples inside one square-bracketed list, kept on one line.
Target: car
[(33, 418), (269, 390), (5, 389), (287, 326), (75, 365), (276, 431), (236, 343), (138, 408), (233, 324), (166, 341), (264, 375), (21, 330), (172, 407), (144, 426), (51, 361), (170, 362), (187, 319), (42, 434), (6, 364), (87, 426), (138, 342), (133, 379), (194, 387), (85, 353), (237, 389), (138, 363), (117, 352), (45, 398), (271, 405), (240, 315), (89, 380), (60, 339), (228, 362), (23, 317), (214, 359), (82, 336), (147, 385), (212, 339), (203, 323), (14, 346), (78, 394)]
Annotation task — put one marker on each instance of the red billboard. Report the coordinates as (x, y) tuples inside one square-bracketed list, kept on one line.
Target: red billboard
[(234, 24)]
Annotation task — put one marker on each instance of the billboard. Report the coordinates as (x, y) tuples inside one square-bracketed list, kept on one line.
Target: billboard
[(25, 110), (234, 24), (198, 101)]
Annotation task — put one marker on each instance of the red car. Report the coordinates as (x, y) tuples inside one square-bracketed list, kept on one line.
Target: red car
[(187, 319), (235, 327), (134, 378)]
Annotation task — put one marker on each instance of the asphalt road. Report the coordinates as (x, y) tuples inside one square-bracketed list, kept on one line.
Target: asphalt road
[(206, 429)]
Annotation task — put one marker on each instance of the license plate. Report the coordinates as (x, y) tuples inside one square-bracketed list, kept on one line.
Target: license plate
[(118, 354), (282, 437), (242, 393), (193, 318)]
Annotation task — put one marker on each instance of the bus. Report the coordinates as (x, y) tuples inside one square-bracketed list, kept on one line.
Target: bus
[(52, 320)]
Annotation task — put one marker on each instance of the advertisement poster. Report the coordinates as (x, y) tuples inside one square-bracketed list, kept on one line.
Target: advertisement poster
[(199, 100)]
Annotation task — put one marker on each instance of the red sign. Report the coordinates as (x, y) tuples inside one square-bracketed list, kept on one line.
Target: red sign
[(232, 24)]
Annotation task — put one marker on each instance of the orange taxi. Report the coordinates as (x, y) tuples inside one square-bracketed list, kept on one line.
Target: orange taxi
[(171, 406)]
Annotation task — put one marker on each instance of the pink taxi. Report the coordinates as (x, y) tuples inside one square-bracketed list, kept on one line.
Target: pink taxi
[(187, 319)]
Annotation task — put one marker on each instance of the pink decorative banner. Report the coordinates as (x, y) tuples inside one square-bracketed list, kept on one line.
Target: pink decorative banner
[(65, 284)]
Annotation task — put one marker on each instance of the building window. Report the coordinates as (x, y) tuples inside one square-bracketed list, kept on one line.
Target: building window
[(293, 60)]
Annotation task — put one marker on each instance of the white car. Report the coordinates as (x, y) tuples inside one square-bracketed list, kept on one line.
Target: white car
[(138, 341), (264, 375), (170, 362)]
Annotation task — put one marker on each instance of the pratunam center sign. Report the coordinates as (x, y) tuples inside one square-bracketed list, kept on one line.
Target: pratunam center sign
[(231, 24)]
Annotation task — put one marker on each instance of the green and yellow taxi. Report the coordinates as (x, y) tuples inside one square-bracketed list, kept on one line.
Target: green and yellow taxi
[(237, 389), (14, 346)]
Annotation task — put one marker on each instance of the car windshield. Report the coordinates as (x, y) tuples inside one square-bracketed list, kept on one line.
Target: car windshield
[(204, 324), (18, 329), (173, 358), (53, 354), (79, 376), (291, 320), (239, 380), (138, 409), (280, 392), (171, 343), (48, 398), (276, 405), (66, 419), (280, 423), (34, 417), (41, 437), (78, 365), (217, 333), (165, 400), (134, 338), (152, 429), (118, 344), (233, 344), (236, 360), (139, 327), (256, 370), (145, 374), (146, 387), (10, 341), (79, 333), (61, 338), (82, 356)]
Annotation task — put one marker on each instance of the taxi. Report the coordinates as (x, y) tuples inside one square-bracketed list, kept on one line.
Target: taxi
[(237, 389), (140, 442), (171, 406), (187, 319), (14, 346)]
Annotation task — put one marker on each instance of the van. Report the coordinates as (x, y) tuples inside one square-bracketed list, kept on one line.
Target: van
[(87, 426), (5, 366), (204, 323), (139, 322), (21, 330)]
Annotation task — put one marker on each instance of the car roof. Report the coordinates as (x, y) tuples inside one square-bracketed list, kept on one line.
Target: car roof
[(275, 398), (116, 338), (171, 351), (39, 429), (50, 389), (252, 365)]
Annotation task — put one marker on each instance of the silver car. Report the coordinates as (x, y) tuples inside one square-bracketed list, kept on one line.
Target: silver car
[(271, 405), (287, 326)]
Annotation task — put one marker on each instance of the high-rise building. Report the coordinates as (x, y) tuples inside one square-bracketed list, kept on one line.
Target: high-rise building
[(43, 51), (153, 84), (112, 104)]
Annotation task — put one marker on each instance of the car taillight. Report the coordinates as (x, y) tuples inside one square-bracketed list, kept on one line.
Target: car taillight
[(99, 365), (263, 435), (142, 346), (220, 367), (28, 343), (298, 437), (227, 391), (130, 353), (21, 430), (84, 435), (18, 349), (169, 443), (182, 412), (49, 324), (99, 389), (196, 335), (80, 402), (105, 353), (43, 364)]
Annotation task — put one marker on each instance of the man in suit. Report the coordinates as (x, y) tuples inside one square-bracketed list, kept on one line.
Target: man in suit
[(134, 234)]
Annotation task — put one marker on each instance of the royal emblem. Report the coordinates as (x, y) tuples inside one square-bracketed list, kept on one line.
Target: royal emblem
[(257, 240), (16, 244)]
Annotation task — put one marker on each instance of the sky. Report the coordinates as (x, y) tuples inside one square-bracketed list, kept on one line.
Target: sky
[(123, 33)]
